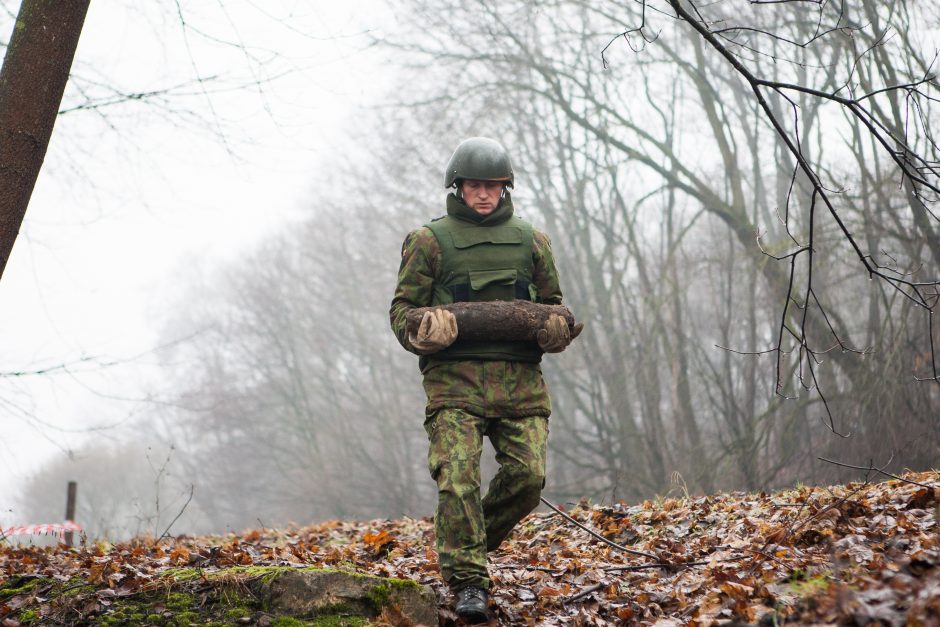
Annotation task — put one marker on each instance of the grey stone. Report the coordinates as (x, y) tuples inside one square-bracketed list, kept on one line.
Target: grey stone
[(312, 593)]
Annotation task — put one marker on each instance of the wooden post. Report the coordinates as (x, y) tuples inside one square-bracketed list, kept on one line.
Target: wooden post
[(70, 509)]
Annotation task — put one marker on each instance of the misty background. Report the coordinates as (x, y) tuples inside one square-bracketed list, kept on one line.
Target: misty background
[(239, 183)]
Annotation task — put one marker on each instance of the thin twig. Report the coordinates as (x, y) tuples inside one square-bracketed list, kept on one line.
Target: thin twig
[(192, 488), (585, 592), (736, 558), (600, 537), (878, 470)]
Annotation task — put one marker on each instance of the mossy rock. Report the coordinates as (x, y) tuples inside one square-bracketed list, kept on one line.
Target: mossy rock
[(319, 594), (275, 596)]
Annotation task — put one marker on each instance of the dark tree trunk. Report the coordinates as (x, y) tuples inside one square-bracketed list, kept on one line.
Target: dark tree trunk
[(496, 320), (32, 80)]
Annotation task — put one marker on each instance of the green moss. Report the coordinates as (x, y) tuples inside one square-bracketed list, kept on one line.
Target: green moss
[(179, 601), (403, 584), (182, 575), (238, 612), (176, 608), (28, 617), (186, 618), (337, 615), (76, 586), (287, 621), (805, 585), (124, 612), (379, 597), (18, 585), (347, 566), (339, 621), (267, 574)]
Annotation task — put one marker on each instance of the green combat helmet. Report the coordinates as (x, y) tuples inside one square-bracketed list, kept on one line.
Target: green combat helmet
[(481, 159)]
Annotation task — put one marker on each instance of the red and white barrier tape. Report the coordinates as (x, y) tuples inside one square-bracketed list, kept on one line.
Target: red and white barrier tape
[(48, 528)]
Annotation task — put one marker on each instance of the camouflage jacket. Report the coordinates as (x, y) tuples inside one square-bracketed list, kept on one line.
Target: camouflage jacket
[(485, 388)]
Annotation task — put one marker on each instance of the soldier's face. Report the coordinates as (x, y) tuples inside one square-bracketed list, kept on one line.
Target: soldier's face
[(482, 196)]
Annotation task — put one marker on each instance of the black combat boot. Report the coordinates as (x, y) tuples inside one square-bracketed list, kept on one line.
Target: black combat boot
[(471, 604)]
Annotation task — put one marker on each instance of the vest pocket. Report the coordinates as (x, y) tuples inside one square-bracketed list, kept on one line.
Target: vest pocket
[(482, 279), (493, 284)]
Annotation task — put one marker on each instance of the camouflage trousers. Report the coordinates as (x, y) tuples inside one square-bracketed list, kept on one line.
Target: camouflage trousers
[(467, 526)]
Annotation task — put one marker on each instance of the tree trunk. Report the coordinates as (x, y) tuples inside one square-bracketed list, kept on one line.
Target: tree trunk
[(32, 81), (496, 320)]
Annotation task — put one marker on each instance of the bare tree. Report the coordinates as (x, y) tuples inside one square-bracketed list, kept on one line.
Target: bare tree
[(32, 80)]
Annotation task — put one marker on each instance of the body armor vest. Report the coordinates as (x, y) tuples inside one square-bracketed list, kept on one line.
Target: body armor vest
[(480, 263)]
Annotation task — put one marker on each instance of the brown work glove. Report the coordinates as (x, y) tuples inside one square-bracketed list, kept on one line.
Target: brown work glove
[(554, 337), (437, 331)]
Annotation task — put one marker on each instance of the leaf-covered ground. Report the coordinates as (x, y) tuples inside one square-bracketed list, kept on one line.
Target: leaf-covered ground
[(862, 553)]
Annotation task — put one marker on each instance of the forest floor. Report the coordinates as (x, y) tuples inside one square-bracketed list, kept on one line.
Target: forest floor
[(856, 554)]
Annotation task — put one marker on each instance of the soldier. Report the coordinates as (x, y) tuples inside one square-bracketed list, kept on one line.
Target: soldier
[(479, 251)]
